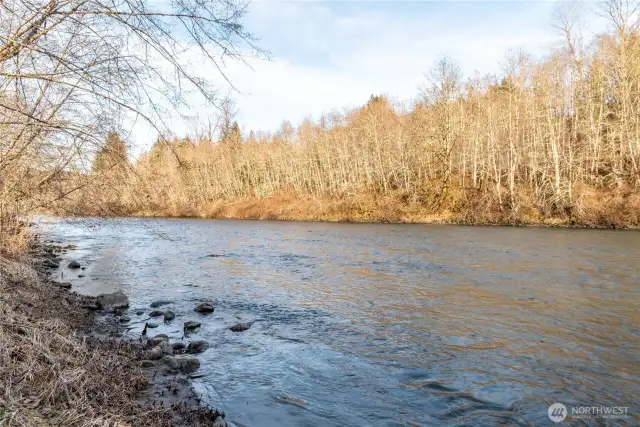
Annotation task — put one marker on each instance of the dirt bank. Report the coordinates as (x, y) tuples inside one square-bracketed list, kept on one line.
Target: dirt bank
[(64, 362)]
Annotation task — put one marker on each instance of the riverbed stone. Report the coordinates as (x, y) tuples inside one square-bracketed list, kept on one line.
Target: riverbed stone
[(204, 308), (50, 263), (124, 319), (167, 349), (169, 315), (240, 327), (178, 347), (160, 303), (64, 285), (191, 325), (113, 300), (152, 325), (196, 347), (147, 364), (219, 422), (156, 313), (184, 364), (157, 339), (139, 312), (155, 353), (74, 265)]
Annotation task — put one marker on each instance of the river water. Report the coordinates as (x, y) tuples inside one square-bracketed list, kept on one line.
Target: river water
[(383, 325)]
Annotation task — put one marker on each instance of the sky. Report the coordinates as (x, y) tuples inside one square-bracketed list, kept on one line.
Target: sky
[(328, 55)]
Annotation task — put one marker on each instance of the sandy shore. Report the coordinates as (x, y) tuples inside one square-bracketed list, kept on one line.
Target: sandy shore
[(67, 360)]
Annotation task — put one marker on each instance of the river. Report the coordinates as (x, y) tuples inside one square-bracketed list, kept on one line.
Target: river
[(383, 325)]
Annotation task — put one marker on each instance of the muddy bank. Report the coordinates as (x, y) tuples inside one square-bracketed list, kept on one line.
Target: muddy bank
[(66, 359)]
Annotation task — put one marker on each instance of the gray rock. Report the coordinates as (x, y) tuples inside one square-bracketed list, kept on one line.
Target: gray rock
[(160, 303), (139, 312), (219, 422), (152, 325), (74, 264), (184, 364), (64, 285), (240, 327), (156, 313), (196, 347), (125, 319), (167, 349), (155, 353), (169, 315), (80, 276), (191, 325), (178, 347), (159, 339), (49, 263), (114, 300), (204, 308), (147, 364)]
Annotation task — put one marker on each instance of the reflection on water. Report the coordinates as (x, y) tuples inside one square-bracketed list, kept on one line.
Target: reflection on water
[(386, 324)]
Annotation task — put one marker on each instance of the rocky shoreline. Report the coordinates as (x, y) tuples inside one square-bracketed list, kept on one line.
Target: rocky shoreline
[(129, 381)]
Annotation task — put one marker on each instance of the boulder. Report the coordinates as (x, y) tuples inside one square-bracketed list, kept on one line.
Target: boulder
[(152, 325), (167, 349), (240, 327), (178, 347), (219, 422), (74, 264), (156, 313), (124, 319), (191, 325), (147, 364), (113, 300), (139, 312), (204, 308), (155, 353), (196, 347), (184, 364), (160, 338), (50, 263), (160, 303), (169, 315), (65, 285)]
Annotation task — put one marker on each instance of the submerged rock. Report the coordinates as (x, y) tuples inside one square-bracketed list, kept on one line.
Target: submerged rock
[(160, 303), (240, 327), (196, 347), (74, 264), (113, 300), (139, 312), (169, 315), (152, 325), (156, 313), (204, 308), (191, 325), (184, 364)]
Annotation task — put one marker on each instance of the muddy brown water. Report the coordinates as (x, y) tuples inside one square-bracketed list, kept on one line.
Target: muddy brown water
[(383, 325)]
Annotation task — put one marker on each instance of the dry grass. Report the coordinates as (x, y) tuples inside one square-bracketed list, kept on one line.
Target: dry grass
[(52, 375)]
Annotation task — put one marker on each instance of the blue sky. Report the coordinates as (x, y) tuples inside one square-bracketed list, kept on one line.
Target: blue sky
[(334, 55)]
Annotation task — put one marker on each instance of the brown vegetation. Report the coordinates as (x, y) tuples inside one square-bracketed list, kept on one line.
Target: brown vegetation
[(555, 141)]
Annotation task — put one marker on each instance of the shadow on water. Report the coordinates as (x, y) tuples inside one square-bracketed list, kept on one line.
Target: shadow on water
[(362, 324)]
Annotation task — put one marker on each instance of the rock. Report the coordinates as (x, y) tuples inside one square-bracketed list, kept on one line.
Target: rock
[(160, 338), (191, 325), (155, 353), (156, 313), (139, 312), (219, 422), (152, 325), (196, 347), (114, 300), (167, 349), (184, 364), (160, 303), (74, 264), (92, 307), (214, 255), (169, 315), (204, 308), (49, 263), (125, 319), (240, 327), (65, 285), (80, 276), (147, 364), (178, 346)]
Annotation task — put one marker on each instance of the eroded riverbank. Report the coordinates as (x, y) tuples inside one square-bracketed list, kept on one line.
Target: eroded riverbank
[(67, 358)]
